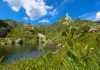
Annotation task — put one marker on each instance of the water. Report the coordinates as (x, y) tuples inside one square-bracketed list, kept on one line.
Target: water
[(13, 53), (15, 57), (26, 51)]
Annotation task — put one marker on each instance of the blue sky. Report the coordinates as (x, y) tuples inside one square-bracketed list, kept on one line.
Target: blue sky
[(48, 11)]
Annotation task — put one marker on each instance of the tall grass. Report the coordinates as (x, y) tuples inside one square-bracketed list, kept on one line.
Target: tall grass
[(78, 53)]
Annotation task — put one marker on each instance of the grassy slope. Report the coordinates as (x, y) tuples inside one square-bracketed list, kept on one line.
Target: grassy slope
[(78, 52)]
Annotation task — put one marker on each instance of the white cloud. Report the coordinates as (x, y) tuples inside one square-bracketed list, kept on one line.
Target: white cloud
[(35, 9), (15, 9), (98, 16), (25, 18), (54, 12), (89, 16), (14, 4), (44, 20)]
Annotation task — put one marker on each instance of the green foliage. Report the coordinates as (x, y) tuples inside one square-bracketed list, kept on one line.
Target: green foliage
[(80, 50)]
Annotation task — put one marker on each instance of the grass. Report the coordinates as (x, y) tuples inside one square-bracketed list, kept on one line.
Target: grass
[(78, 53), (79, 50)]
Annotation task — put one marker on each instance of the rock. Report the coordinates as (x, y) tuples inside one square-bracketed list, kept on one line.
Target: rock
[(59, 45), (93, 30), (7, 42), (19, 41), (85, 29), (3, 43), (42, 38)]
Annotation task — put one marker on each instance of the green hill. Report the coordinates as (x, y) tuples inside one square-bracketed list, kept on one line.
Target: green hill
[(77, 44)]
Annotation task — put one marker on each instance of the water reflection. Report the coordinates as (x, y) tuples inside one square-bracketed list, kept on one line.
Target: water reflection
[(15, 57), (13, 53)]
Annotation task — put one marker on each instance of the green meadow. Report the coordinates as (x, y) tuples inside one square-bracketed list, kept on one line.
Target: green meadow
[(72, 44)]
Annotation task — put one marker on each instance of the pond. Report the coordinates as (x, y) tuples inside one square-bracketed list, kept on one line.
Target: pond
[(13, 53)]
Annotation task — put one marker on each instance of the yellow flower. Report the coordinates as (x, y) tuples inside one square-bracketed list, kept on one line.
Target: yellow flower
[(91, 48)]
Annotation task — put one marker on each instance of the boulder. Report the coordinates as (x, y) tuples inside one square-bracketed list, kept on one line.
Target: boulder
[(85, 29), (94, 29), (19, 41), (3, 43), (42, 38), (7, 42), (59, 45)]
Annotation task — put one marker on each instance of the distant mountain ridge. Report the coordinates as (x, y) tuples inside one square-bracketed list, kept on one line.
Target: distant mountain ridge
[(7, 26), (98, 21), (13, 23)]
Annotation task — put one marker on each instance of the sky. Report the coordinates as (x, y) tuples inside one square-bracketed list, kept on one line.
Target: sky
[(48, 11)]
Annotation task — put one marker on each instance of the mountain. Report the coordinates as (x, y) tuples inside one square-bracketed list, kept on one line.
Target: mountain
[(98, 21), (16, 23), (8, 25)]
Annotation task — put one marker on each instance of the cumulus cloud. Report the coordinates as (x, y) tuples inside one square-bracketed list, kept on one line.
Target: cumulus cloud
[(35, 9), (44, 20), (14, 4), (98, 16), (53, 13), (25, 18), (89, 16)]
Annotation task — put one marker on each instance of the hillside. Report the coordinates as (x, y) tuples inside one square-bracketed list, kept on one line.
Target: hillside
[(8, 25), (66, 45), (97, 21)]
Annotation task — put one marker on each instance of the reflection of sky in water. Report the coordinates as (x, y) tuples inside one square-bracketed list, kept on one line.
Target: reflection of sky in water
[(34, 53), (27, 54), (15, 57)]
